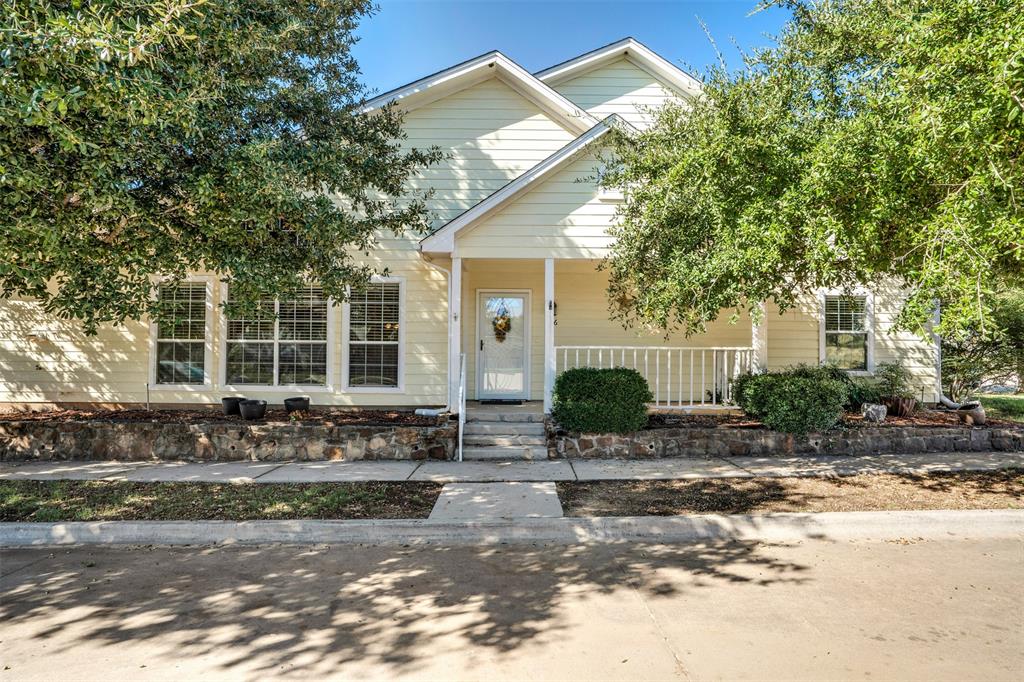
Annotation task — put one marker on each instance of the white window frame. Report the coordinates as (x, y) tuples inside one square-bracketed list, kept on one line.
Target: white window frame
[(207, 338), (869, 326), (277, 388), (346, 308)]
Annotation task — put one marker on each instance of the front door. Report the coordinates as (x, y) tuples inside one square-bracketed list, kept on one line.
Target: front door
[(503, 345)]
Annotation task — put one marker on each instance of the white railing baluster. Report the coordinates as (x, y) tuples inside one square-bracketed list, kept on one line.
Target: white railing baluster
[(668, 381), (691, 378)]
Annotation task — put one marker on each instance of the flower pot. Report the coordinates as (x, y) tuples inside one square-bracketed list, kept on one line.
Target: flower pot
[(230, 405), (252, 409), (296, 405), (900, 407), (972, 414)]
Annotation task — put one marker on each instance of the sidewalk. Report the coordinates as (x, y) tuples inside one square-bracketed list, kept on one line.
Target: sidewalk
[(482, 472)]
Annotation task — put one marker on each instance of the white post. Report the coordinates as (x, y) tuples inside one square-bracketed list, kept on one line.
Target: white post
[(759, 340), (549, 332), (455, 333)]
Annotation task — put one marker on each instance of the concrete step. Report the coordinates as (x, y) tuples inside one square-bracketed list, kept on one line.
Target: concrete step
[(512, 417), (504, 453), (502, 441), (504, 429)]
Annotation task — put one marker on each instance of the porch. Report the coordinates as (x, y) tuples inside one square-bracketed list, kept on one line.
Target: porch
[(516, 324)]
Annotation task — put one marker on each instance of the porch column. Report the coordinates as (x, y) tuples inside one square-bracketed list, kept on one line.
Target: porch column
[(549, 332), (759, 340), (454, 334)]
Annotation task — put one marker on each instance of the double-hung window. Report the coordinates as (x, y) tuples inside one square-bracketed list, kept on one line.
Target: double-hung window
[(374, 336), (283, 344), (181, 334), (847, 330)]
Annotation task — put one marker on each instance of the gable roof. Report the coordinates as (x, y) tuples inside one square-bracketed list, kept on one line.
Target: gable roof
[(443, 240), (492, 64), (636, 52)]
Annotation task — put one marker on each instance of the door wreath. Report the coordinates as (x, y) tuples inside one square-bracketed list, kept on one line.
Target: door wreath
[(502, 322)]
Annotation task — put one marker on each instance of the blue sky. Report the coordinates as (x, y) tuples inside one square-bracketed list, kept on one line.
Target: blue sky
[(409, 39)]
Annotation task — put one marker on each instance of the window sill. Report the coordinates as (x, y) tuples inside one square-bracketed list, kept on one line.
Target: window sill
[(267, 388), (375, 389)]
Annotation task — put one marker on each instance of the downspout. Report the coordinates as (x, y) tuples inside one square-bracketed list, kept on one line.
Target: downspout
[(448, 354)]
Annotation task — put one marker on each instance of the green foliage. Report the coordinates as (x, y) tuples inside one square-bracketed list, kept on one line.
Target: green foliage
[(592, 400), (987, 356), (877, 143), (862, 390), (894, 380), (1004, 407), (151, 138), (797, 400)]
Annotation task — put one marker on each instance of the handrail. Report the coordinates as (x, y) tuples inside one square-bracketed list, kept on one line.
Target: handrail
[(462, 400)]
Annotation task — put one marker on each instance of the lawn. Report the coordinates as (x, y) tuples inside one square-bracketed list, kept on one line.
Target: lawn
[(124, 500), (1004, 407), (870, 492)]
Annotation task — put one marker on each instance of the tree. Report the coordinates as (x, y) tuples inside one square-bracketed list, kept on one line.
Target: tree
[(144, 139), (994, 357), (876, 141)]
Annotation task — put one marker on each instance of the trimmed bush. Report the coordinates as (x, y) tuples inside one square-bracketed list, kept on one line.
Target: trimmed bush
[(592, 400), (797, 400)]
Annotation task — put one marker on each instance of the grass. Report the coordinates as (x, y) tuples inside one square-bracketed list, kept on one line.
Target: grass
[(1004, 407), (870, 492), (123, 500)]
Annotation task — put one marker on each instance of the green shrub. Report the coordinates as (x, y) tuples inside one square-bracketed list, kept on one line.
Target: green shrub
[(592, 400), (893, 380), (862, 390), (796, 400)]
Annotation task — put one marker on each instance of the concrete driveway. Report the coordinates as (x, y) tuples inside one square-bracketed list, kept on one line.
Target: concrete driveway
[(932, 610)]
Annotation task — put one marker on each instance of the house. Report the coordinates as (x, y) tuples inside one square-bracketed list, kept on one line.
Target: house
[(505, 291)]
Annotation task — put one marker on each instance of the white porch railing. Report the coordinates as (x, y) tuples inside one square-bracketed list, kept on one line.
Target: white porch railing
[(680, 378)]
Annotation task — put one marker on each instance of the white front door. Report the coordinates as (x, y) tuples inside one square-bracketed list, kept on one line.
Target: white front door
[(503, 345)]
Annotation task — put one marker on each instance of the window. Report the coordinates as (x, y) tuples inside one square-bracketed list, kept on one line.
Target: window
[(290, 350), (181, 334), (374, 335), (847, 331)]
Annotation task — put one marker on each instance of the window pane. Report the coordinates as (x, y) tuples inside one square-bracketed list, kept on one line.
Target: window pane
[(374, 313), (260, 327), (373, 365), (305, 317), (845, 314), (180, 362), (183, 311), (847, 351), (303, 363), (250, 363)]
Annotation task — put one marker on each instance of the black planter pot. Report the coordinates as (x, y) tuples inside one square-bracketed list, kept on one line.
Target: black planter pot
[(230, 405), (252, 409), (296, 405)]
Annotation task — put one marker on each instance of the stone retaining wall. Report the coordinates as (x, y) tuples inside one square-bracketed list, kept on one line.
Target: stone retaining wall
[(724, 442), (222, 441)]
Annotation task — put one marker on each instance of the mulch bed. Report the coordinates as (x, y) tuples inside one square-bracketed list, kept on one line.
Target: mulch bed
[(130, 501), (663, 420), (868, 492), (329, 417)]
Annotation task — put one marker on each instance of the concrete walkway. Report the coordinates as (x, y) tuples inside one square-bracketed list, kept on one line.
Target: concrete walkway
[(483, 472)]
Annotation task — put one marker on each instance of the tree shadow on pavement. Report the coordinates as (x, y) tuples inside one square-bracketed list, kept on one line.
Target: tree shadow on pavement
[(315, 609)]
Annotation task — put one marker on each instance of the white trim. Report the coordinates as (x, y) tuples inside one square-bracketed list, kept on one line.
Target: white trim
[(345, 388), (527, 342), (937, 340), (869, 325), (638, 53), (549, 333), (476, 70), (759, 339), (455, 354), (443, 240), (207, 340), (275, 387)]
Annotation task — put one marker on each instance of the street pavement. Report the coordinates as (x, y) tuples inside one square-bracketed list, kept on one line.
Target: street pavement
[(811, 610)]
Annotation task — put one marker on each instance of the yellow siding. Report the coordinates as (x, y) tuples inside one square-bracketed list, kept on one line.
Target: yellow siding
[(560, 218), (493, 135), (794, 337), (619, 87)]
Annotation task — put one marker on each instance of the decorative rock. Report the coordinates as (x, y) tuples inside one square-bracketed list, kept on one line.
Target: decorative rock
[(873, 412)]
